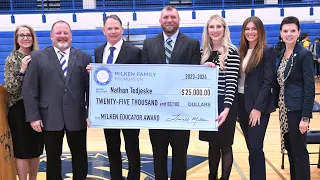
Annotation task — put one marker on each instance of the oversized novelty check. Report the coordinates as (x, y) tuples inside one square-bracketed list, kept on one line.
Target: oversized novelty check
[(153, 96)]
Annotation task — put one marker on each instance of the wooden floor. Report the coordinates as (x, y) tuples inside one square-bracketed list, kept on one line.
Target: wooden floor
[(240, 169)]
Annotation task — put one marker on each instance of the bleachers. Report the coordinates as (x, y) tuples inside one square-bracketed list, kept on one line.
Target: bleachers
[(132, 5), (88, 40)]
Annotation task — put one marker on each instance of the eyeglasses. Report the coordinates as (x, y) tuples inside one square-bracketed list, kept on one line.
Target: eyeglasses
[(22, 36)]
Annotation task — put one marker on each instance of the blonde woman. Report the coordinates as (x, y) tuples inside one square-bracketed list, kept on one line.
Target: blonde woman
[(27, 143), (218, 52)]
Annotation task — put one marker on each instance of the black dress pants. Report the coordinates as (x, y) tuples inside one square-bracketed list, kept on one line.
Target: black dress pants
[(113, 140), (254, 138), (316, 65), (77, 141), (295, 144), (179, 141)]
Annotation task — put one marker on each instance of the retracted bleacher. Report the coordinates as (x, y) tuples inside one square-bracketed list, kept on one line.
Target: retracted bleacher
[(88, 40)]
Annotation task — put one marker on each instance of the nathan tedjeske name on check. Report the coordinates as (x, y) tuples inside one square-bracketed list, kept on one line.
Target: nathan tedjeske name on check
[(185, 92)]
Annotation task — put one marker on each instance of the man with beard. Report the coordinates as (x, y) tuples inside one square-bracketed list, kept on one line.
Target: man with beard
[(54, 90), (170, 47)]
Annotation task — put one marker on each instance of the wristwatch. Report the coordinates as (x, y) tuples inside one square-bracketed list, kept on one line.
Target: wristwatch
[(305, 119)]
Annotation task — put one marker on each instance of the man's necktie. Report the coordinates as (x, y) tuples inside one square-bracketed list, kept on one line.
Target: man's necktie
[(63, 63), (110, 57), (168, 49)]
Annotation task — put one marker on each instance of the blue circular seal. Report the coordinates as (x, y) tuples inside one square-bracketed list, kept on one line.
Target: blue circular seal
[(102, 76)]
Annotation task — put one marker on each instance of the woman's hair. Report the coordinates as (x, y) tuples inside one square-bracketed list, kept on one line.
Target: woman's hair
[(290, 20), (207, 42), (257, 51), (34, 45), (304, 35)]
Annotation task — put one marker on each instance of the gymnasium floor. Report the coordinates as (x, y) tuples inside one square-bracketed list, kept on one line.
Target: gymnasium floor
[(197, 155)]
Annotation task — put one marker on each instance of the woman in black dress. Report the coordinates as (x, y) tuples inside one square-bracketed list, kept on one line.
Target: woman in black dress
[(27, 143), (218, 51)]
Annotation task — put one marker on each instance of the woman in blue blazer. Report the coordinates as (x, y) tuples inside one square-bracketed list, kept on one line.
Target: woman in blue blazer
[(295, 95), (258, 63)]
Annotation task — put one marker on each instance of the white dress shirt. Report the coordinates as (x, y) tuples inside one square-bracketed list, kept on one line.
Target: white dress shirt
[(66, 54), (242, 79), (106, 52), (173, 38)]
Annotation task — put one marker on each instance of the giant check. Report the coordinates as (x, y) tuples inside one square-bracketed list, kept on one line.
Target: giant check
[(153, 96)]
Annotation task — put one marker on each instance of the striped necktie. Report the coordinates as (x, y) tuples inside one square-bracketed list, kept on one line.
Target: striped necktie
[(63, 63), (168, 50)]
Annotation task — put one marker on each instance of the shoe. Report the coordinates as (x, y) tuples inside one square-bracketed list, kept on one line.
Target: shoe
[(212, 177)]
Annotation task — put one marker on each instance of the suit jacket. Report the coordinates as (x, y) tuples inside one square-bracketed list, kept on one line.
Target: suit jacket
[(299, 87), (259, 83), (186, 50), (49, 96), (128, 54)]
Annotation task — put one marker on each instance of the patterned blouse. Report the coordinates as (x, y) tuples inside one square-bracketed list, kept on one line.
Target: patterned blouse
[(282, 107), (12, 81), (227, 79)]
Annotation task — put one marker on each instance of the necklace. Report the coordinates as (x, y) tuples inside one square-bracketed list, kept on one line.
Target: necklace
[(215, 57), (290, 68)]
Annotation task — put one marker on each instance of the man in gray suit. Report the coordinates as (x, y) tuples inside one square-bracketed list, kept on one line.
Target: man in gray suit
[(54, 90), (170, 47)]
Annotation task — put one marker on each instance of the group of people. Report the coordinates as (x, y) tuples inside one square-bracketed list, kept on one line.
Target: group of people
[(48, 90), (315, 49)]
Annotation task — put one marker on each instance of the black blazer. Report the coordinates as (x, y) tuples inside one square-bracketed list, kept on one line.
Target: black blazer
[(259, 83), (299, 87), (129, 54), (186, 50), (49, 96)]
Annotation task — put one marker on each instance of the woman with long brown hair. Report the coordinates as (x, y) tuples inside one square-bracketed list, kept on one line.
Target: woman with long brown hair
[(257, 73), (27, 143)]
